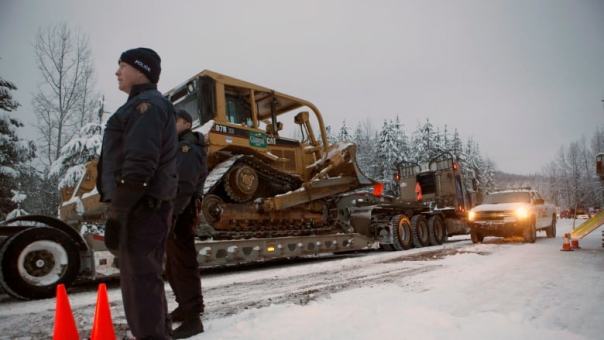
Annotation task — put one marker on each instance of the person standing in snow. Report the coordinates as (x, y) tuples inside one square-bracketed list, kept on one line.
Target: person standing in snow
[(182, 268), (138, 178)]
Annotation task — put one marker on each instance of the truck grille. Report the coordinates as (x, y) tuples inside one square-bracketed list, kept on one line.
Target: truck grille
[(491, 215)]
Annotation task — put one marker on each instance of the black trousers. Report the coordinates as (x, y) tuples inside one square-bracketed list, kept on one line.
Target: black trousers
[(182, 268), (140, 261)]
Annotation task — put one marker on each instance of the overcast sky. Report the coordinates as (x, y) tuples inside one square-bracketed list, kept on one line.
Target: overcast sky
[(521, 77)]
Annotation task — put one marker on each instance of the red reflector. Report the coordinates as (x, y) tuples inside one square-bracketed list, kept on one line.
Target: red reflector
[(378, 189)]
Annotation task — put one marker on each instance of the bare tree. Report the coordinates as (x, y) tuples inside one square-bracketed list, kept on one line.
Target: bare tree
[(65, 99)]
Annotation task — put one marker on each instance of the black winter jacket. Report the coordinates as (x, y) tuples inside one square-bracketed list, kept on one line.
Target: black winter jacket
[(140, 145), (191, 161)]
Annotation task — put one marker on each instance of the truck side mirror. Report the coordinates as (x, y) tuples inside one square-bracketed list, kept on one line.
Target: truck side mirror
[(538, 201)]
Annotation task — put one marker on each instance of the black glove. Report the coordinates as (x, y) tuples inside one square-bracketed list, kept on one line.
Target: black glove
[(113, 227), (124, 199)]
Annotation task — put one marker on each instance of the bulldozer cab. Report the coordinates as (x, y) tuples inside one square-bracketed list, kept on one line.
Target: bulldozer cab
[(239, 117), (438, 182)]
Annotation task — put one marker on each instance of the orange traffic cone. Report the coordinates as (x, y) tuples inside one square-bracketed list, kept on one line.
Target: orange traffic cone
[(565, 243), (102, 328), (65, 327), (574, 244)]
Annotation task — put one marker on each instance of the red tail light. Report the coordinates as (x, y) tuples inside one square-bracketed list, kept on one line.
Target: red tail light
[(378, 189)]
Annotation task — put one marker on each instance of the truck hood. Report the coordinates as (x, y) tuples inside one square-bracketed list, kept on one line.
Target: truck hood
[(500, 207)]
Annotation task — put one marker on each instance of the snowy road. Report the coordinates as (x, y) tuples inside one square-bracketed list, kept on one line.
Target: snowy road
[(501, 289)]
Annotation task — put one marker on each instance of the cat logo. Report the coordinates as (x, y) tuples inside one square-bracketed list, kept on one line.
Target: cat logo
[(142, 107)]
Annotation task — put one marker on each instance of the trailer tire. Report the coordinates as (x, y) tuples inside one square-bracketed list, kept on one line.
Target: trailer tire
[(419, 229), (402, 234), (35, 260), (551, 230), (437, 230)]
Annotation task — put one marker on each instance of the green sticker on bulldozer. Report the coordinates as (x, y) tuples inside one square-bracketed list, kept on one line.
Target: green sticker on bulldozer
[(258, 139)]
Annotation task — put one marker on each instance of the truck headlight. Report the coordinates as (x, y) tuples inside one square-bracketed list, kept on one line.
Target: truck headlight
[(471, 215), (522, 213)]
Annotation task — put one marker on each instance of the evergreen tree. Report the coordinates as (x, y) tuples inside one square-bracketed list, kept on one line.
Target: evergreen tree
[(344, 134), (7, 103), (456, 145), (424, 142), (363, 141), (13, 151), (331, 139), (388, 153)]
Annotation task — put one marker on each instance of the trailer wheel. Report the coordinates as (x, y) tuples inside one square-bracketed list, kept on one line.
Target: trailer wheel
[(551, 230), (437, 230), (419, 228), (402, 235), (35, 260)]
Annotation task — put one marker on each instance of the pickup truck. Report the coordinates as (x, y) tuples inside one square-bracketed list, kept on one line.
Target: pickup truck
[(520, 212)]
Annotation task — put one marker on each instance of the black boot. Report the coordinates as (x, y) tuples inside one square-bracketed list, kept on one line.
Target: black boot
[(189, 327), (178, 315)]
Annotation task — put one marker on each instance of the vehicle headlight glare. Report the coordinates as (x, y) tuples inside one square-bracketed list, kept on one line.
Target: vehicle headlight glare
[(522, 213), (471, 215)]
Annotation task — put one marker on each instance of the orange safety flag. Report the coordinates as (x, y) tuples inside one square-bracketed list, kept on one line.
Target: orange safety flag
[(418, 191)]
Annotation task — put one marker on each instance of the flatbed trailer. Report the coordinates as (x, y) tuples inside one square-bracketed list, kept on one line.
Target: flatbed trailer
[(38, 252)]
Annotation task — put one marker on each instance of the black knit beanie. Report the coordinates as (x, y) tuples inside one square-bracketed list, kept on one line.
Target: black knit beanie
[(184, 115), (144, 60)]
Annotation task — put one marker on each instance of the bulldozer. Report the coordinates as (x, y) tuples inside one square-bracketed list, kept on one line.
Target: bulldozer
[(261, 183)]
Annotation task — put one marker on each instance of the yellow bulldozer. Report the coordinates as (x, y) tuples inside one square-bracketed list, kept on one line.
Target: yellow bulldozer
[(261, 183)]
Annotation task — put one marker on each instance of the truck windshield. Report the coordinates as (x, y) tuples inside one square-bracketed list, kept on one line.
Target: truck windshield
[(188, 98), (508, 197)]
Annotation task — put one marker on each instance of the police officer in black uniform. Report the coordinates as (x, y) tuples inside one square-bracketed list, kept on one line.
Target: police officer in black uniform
[(182, 268), (138, 178)]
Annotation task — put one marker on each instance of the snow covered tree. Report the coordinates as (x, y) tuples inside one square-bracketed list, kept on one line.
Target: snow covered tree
[(390, 149), (570, 179), (7, 103), (83, 147), (18, 198), (331, 138), (424, 147), (14, 152), (344, 135), (363, 141), (456, 146)]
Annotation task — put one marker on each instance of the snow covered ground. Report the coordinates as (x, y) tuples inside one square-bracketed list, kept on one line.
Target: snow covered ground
[(501, 289)]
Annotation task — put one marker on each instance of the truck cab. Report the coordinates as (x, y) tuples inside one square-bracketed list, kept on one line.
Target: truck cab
[(439, 185), (518, 212)]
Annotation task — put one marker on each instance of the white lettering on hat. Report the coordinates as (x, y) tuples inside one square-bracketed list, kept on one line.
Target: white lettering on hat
[(143, 65)]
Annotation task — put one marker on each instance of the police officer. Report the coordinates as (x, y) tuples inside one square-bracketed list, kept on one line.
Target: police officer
[(137, 177), (182, 268)]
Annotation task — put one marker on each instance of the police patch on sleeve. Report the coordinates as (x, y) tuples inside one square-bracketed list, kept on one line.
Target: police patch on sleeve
[(185, 148), (143, 107)]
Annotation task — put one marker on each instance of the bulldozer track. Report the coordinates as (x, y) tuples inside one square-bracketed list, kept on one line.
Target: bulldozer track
[(268, 176)]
